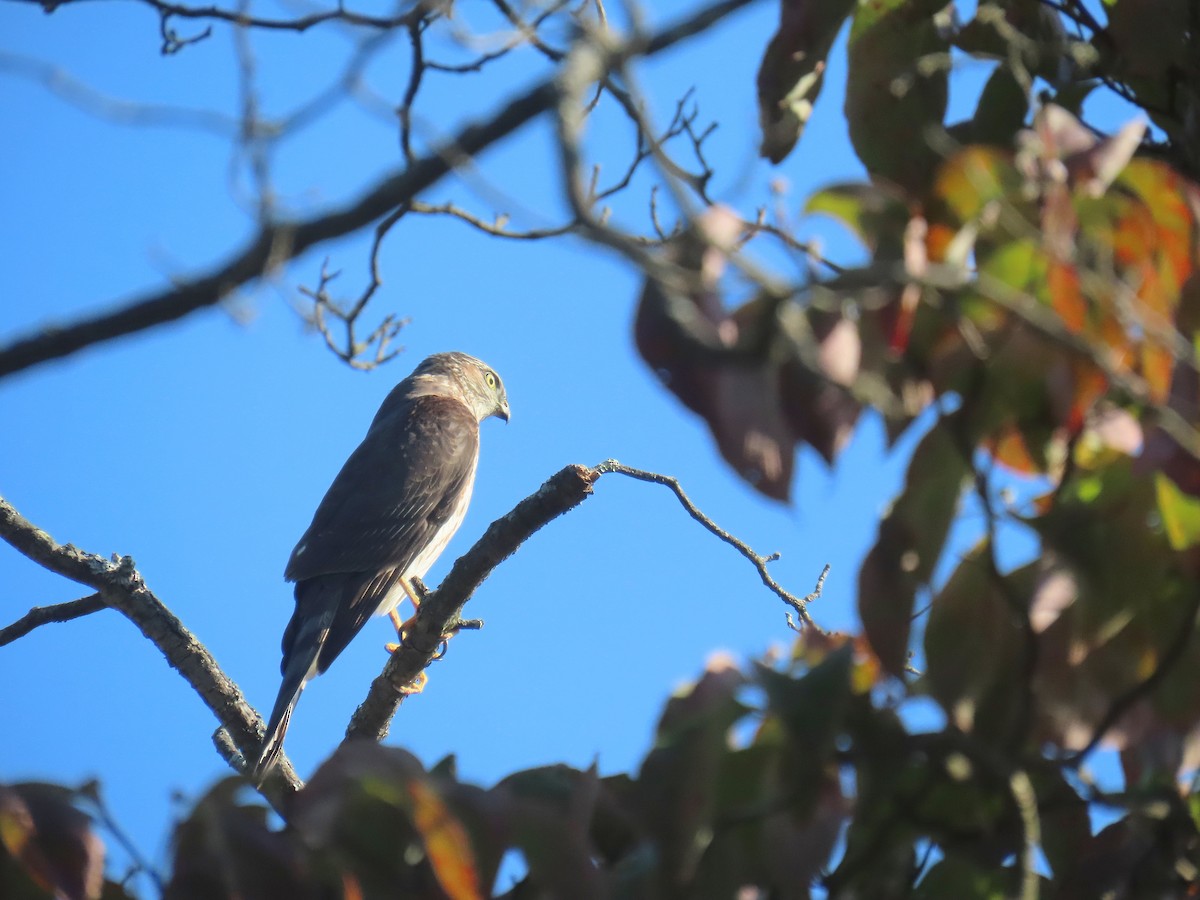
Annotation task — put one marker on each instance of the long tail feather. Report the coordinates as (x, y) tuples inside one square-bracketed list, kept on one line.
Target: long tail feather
[(302, 642), (289, 695)]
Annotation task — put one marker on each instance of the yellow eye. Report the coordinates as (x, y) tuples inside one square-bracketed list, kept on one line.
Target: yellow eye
[(490, 379)]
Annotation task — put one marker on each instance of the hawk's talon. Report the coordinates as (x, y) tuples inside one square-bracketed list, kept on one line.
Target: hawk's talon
[(416, 685)]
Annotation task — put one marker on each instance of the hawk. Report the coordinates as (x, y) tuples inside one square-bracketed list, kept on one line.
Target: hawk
[(389, 513)]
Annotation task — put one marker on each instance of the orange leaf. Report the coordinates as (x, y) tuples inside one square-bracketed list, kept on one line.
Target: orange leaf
[(937, 239), (1066, 297), (1090, 385), (446, 842), (1135, 237), (1157, 364), (1166, 195), (1010, 449)]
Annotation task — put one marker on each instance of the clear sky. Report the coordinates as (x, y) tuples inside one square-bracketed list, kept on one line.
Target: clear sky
[(202, 448)]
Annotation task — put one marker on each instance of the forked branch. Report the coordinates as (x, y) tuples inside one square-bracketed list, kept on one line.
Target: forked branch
[(120, 586)]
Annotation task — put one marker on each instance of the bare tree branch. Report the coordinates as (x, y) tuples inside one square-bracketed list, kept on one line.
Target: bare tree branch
[(236, 17), (59, 612), (87, 99), (440, 612), (276, 243), (121, 587)]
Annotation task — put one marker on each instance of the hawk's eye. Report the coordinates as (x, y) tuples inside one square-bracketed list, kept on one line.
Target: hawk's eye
[(490, 379)]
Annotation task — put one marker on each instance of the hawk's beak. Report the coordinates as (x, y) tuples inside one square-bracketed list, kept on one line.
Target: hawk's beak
[(503, 412)]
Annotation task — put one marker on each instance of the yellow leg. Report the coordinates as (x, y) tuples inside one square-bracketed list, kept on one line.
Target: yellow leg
[(416, 592)]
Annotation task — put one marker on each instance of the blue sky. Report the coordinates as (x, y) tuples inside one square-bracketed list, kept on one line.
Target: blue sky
[(202, 448)]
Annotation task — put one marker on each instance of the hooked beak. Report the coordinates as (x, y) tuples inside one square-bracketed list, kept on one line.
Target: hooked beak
[(503, 412)]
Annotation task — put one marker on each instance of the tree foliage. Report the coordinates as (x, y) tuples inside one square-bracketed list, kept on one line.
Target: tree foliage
[(1027, 294)]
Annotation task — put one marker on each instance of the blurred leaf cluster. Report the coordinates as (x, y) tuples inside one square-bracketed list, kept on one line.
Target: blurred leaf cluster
[(1029, 286)]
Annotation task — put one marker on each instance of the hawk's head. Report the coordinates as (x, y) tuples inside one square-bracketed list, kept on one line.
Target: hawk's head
[(469, 379)]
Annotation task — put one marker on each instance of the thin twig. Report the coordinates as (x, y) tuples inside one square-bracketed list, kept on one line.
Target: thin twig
[(91, 791), (303, 23), (799, 604), (494, 228), (1025, 799), (59, 612)]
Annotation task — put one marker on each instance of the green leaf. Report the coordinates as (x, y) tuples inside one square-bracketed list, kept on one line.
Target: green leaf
[(877, 214), (1180, 513), (1066, 824), (910, 541), (964, 880), (812, 709), (975, 179), (1002, 110), (677, 784), (896, 90), (973, 648)]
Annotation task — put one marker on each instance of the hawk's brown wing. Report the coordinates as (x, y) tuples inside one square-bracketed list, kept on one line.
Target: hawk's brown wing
[(389, 502), (394, 492)]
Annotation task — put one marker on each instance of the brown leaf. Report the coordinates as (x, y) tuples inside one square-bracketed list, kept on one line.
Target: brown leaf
[(792, 69), (1060, 149), (1132, 857), (751, 431), (446, 842), (225, 849), (1162, 451), (741, 371), (402, 826), (677, 786), (548, 812), (1149, 36), (53, 840)]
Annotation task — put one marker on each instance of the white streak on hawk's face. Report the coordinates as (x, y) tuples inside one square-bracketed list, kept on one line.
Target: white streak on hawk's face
[(465, 378)]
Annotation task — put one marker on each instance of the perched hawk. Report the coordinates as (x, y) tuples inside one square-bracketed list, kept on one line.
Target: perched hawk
[(389, 513)]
